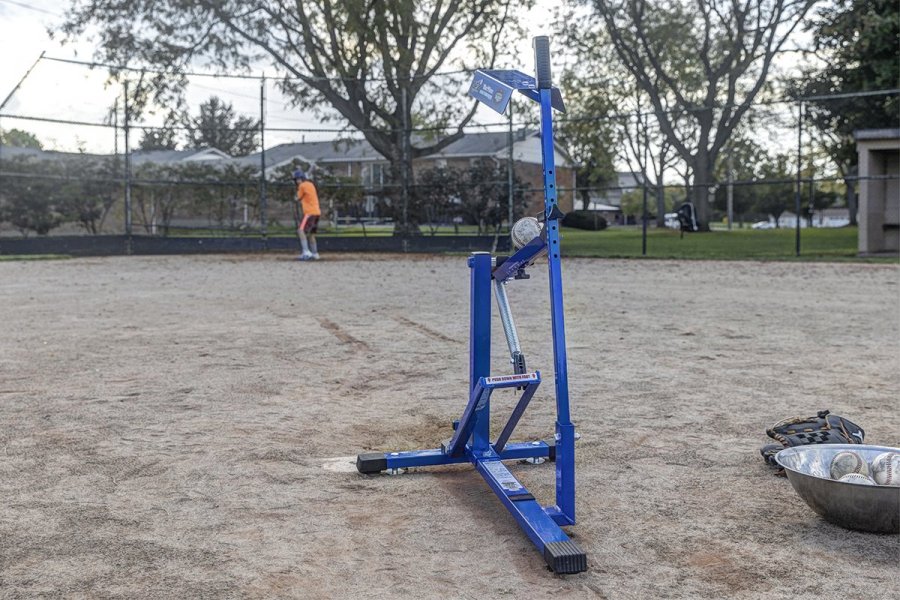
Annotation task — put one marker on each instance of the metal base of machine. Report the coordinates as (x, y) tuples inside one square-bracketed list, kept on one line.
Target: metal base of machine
[(541, 524), (565, 557)]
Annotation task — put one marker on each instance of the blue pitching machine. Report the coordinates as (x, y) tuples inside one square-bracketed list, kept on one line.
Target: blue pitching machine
[(472, 441)]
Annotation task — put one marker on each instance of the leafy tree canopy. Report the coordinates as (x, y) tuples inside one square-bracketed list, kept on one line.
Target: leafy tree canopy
[(859, 44), (699, 64), (372, 61), (217, 126), (19, 138)]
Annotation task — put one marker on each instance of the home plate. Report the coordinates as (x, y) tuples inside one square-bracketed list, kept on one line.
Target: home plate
[(340, 464)]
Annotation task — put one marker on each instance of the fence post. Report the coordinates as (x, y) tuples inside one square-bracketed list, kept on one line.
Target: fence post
[(644, 177), (405, 159), (730, 190), (812, 198), (799, 176), (263, 199), (127, 128)]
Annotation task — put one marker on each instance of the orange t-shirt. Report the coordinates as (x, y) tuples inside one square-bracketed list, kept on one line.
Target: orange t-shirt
[(308, 198)]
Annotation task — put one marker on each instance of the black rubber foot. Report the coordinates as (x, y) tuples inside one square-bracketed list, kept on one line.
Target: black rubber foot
[(565, 557), (370, 463)]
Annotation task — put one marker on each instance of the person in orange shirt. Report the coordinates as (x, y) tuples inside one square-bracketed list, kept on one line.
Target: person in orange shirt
[(309, 225)]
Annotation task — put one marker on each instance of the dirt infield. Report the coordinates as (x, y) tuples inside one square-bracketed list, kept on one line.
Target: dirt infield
[(168, 424)]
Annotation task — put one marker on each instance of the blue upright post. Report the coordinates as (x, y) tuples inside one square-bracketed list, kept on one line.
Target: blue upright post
[(565, 430), (480, 342)]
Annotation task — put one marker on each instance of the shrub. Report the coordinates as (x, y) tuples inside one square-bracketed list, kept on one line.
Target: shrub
[(590, 220)]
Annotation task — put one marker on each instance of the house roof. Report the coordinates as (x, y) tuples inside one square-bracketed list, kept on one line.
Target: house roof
[(487, 144), (9, 151), (877, 134), (138, 157), (329, 151), (470, 145), (480, 144), (174, 156)]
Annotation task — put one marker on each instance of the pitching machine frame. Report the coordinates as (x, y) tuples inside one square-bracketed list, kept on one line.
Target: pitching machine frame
[(471, 441)]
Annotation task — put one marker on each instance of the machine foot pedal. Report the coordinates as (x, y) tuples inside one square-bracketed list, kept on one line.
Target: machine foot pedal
[(370, 463), (565, 557)]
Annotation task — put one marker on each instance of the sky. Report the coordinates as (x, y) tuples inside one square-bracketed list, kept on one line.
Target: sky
[(77, 93)]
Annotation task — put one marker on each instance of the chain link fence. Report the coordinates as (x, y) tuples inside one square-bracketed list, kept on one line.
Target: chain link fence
[(113, 170)]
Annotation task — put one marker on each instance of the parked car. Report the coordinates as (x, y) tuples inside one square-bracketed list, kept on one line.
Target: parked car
[(763, 225)]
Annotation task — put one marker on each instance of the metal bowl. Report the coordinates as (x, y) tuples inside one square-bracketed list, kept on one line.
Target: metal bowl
[(873, 508)]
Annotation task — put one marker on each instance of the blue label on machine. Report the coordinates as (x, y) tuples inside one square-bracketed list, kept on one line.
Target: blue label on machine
[(521, 378), (502, 476), (488, 90), (494, 87)]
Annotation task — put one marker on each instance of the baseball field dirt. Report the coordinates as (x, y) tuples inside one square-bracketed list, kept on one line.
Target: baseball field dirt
[(183, 427)]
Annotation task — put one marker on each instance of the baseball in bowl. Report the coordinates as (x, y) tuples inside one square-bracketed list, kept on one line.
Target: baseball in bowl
[(874, 508)]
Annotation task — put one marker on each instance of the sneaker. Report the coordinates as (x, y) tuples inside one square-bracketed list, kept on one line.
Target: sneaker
[(315, 256), (305, 256)]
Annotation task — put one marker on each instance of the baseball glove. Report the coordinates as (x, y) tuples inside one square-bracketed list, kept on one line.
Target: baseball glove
[(824, 428)]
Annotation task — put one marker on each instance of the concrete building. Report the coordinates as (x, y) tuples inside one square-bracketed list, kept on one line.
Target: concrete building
[(879, 190)]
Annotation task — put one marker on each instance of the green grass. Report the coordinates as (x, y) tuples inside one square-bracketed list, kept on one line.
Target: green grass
[(10, 257), (839, 244), (344, 231), (739, 244)]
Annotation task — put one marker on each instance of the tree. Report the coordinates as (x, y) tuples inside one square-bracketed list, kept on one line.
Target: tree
[(605, 111), (216, 126), (632, 204), (746, 160), (589, 137), (158, 139), (438, 191), (858, 41), (699, 64), (236, 186), (89, 192), (19, 138), (27, 200), (160, 190), (653, 155), (775, 193), (484, 196), (339, 194), (372, 61)]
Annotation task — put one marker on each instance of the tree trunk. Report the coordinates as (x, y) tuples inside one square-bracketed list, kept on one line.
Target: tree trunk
[(703, 182), (660, 205), (585, 199), (401, 194)]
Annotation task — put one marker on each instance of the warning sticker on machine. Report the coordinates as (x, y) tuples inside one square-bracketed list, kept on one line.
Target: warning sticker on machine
[(502, 475), (521, 378)]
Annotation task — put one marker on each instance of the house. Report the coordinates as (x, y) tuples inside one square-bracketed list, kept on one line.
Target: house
[(821, 218), (831, 217), (611, 194)]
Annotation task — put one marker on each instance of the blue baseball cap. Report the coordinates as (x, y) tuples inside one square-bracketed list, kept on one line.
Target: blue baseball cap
[(298, 174)]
